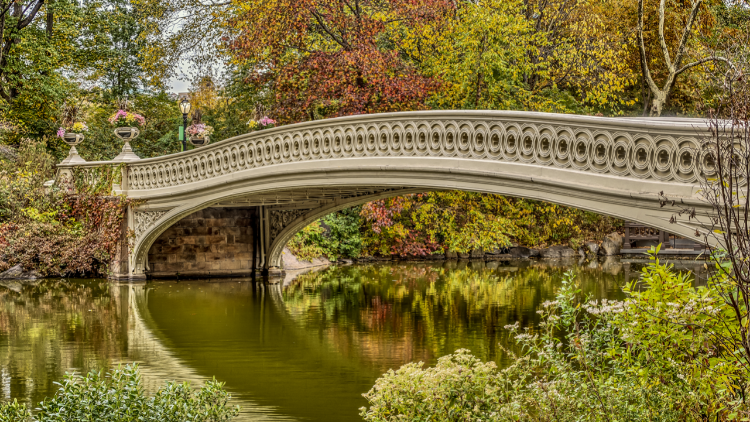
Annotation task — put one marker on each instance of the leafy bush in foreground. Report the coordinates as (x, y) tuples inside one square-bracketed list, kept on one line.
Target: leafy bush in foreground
[(655, 357), (118, 396)]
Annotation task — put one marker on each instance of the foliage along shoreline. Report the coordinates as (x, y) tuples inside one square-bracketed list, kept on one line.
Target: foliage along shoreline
[(447, 223), (662, 354)]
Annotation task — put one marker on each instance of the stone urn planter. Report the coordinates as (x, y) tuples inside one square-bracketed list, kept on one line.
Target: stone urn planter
[(127, 134), (199, 141), (73, 139)]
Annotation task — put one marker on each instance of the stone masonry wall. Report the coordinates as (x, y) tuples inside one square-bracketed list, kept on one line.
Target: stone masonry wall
[(214, 242)]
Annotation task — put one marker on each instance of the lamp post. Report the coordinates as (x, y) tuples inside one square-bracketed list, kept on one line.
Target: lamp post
[(185, 108)]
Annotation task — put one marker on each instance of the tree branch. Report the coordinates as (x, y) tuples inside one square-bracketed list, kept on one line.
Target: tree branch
[(662, 40), (5, 10), (322, 25), (705, 60), (685, 34), (642, 49), (25, 22)]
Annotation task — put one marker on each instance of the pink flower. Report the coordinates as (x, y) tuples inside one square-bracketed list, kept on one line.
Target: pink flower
[(60, 133), (117, 116), (265, 121)]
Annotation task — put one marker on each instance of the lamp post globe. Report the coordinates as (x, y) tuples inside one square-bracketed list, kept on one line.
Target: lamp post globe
[(185, 109)]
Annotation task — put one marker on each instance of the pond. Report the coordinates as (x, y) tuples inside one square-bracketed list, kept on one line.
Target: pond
[(304, 350)]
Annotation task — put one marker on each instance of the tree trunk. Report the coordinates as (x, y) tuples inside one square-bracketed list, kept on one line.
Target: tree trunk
[(657, 104)]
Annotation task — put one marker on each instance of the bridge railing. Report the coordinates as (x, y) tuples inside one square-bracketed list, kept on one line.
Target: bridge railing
[(114, 173), (656, 149), (662, 149)]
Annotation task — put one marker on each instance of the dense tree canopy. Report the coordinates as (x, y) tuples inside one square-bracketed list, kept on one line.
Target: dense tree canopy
[(298, 60)]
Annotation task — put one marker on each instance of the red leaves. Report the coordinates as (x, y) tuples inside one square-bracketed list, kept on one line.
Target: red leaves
[(82, 241), (331, 56)]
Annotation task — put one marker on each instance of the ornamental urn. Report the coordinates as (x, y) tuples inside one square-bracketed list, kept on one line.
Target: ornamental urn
[(127, 133), (72, 139), (199, 141)]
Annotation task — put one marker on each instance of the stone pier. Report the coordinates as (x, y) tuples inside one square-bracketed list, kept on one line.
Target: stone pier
[(213, 242)]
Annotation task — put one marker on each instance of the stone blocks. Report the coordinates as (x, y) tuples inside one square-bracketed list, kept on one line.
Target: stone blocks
[(213, 242)]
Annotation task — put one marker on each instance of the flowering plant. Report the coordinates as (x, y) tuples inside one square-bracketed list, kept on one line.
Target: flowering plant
[(77, 127), (263, 123), (126, 119), (200, 130)]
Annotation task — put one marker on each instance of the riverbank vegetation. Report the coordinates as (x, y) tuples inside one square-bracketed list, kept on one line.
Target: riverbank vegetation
[(420, 225), (667, 353), (50, 229), (118, 395)]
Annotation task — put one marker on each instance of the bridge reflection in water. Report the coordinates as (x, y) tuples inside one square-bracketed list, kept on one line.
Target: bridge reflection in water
[(304, 350)]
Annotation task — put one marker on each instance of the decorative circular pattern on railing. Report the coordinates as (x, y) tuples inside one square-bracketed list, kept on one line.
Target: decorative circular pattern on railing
[(617, 152)]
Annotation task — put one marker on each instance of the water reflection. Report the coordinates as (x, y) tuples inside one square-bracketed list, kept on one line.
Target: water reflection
[(304, 350)]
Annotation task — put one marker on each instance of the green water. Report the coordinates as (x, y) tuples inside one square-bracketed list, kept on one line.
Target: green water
[(304, 350)]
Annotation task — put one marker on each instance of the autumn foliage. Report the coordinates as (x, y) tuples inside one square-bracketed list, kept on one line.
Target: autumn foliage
[(54, 231), (322, 56), (457, 221), (420, 225)]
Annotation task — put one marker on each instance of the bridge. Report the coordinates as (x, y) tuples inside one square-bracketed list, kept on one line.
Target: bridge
[(230, 207)]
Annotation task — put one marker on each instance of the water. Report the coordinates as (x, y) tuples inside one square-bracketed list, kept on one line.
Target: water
[(302, 351)]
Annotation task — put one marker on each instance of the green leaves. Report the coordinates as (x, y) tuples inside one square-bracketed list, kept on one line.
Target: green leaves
[(50, 230), (657, 356), (14, 412), (118, 396)]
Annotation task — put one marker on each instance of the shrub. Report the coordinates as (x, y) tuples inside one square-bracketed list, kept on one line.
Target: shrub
[(51, 229), (118, 396), (305, 244), (333, 236), (653, 357)]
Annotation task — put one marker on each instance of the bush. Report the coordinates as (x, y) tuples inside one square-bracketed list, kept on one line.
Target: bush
[(118, 396), (459, 388), (653, 357), (334, 236), (51, 229)]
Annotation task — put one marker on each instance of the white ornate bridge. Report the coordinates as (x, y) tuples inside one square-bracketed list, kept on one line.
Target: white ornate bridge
[(298, 173)]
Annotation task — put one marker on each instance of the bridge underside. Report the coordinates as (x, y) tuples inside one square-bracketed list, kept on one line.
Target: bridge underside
[(235, 238), (242, 229)]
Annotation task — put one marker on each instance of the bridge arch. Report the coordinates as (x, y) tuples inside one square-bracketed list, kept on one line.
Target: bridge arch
[(611, 166), (636, 200)]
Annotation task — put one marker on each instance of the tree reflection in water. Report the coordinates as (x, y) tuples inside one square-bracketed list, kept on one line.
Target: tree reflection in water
[(52, 327), (304, 351), (396, 313)]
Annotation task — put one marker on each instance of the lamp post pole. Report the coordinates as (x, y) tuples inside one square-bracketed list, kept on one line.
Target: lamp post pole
[(185, 108)]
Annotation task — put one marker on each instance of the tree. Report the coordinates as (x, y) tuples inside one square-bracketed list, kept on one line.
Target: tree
[(177, 30), (15, 17), (30, 50), (115, 40), (511, 54), (49, 50), (674, 66), (330, 58)]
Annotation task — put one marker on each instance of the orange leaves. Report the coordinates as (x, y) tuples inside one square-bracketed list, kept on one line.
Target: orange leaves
[(330, 57)]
